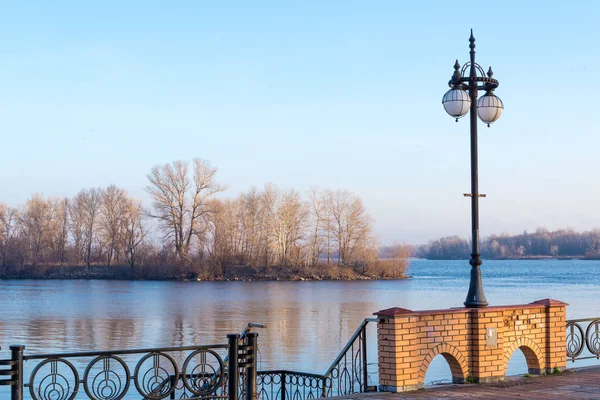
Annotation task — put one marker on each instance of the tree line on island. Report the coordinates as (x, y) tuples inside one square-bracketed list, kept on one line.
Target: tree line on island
[(563, 243), (191, 232)]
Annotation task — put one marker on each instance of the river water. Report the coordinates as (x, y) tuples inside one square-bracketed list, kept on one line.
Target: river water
[(308, 322)]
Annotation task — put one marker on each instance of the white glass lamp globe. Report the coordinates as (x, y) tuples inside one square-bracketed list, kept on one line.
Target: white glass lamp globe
[(456, 103), (489, 108)]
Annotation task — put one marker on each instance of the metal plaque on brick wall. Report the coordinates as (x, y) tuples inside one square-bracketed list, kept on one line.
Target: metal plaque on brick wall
[(491, 337)]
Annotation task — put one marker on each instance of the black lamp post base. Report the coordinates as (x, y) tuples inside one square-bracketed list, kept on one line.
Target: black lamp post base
[(476, 297)]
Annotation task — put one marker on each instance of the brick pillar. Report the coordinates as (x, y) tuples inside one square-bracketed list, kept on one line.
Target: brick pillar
[(555, 334), (394, 345)]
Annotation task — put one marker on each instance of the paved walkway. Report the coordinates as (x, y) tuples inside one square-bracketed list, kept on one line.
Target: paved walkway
[(583, 383)]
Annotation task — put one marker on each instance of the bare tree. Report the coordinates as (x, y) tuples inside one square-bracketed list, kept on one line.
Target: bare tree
[(318, 220), (8, 226), (87, 209), (132, 230), (399, 258), (57, 229), (76, 226), (180, 203), (35, 222), (350, 224), (62, 211), (266, 212), (289, 223), (394, 262), (251, 225), (223, 232), (114, 202)]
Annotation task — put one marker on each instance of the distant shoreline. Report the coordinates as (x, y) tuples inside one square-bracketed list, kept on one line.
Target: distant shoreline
[(525, 258)]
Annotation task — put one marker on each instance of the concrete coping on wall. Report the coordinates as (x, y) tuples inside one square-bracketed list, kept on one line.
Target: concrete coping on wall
[(397, 311)]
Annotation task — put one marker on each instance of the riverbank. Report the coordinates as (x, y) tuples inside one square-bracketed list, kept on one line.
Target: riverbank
[(173, 273)]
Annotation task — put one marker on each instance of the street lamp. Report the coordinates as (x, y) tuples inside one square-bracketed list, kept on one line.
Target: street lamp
[(458, 101)]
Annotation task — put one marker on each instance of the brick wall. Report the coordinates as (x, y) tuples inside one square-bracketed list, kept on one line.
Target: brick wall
[(476, 343)]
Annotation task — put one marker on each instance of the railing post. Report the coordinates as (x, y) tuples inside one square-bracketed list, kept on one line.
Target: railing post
[(233, 372), (17, 357), (173, 380), (251, 368), (283, 385), (364, 359)]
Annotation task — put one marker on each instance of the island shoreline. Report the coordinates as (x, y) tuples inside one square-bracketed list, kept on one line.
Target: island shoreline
[(173, 273)]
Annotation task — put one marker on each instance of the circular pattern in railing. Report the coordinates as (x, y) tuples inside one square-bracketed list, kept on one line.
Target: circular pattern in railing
[(58, 380), (335, 372), (575, 339), (155, 376), (268, 379), (592, 337), (314, 383), (106, 378), (206, 375)]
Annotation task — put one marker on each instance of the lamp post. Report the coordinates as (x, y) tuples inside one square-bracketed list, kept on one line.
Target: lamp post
[(458, 101)]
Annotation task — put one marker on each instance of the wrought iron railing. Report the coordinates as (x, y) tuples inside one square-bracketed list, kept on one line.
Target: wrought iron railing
[(221, 371), (284, 384), (347, 374), (583, 343)]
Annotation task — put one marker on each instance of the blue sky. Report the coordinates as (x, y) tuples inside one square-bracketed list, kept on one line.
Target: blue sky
[(337, 94)]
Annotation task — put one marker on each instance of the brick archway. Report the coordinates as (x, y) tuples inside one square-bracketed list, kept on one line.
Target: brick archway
[(476, 343), (533, 355), (454, 358)]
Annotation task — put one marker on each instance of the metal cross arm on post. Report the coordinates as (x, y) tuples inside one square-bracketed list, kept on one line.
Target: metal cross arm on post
[(470, 195)]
